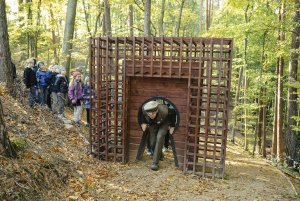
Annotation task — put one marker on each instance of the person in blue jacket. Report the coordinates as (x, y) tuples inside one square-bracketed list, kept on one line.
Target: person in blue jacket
[(42, 75)]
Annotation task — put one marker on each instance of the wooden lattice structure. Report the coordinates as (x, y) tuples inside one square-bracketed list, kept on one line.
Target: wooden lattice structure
[(193, 73)]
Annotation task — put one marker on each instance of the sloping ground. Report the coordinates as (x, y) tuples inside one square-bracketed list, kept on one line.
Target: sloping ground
[(54, 165)]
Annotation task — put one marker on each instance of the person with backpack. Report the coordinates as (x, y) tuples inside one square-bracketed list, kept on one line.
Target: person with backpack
[(42, 76), (29, 79), (75, 95), (61, 86)]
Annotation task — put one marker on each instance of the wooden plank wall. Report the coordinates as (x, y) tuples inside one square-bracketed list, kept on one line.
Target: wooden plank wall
[(141, 89)]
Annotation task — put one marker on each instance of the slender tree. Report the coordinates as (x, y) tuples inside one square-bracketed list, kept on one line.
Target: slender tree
[(201, 16), (161, 19), (292, 136), (177, 26), (69, 33), (280, 63), (6, 72), (107, 20), (130, 20), (147, 17)]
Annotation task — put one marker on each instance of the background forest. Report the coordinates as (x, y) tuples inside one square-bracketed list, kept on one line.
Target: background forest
[(266, 39)]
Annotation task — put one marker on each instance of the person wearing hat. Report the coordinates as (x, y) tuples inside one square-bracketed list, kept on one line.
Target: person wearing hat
[(75, 95), (157, 121)]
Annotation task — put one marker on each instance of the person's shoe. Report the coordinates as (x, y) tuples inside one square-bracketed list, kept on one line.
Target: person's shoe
[(87, 125), (149, 152), (165, 149), (154, 166), (60, 116)]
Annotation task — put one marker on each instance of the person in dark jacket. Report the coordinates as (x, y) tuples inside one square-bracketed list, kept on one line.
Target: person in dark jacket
[(52, 101), (157, 121), (29, 79), (61, 87)]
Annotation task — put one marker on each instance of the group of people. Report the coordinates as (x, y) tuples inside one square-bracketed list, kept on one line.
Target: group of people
[(50, 87)]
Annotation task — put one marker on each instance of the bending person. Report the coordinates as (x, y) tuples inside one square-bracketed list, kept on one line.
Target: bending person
[(157, 121)]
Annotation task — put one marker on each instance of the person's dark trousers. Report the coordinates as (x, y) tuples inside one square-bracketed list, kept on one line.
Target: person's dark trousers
[(88, 115), (32, 96), (167, 138), (49, 104), (157, 137), (61, 103), (42, 96)]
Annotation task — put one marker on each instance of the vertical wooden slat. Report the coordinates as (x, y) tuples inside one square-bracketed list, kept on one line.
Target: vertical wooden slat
[(124, 104), (143, 59), (208, 77), (151, 53), (116, 74), (99, 82), (180, 57)]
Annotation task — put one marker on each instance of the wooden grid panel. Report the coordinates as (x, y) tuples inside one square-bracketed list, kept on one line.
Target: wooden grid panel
[(108, 121), (169, 57), (208, 111)]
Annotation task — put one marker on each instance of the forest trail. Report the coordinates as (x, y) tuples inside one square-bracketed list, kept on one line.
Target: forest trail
[(54, 164)]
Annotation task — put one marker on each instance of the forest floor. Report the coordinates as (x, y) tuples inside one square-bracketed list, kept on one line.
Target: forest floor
[(53, 164)]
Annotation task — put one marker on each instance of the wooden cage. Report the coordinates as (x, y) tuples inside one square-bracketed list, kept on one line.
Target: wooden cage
[(193, 73)]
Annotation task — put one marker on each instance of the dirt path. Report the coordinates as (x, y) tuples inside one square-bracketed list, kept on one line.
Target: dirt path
[(54, 165), (246, 179)]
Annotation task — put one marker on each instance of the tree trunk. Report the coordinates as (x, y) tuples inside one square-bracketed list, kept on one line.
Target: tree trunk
[(246, 113), (261, 100), (107, 23), (207, 15), (36, 33), (131, 20), (6, 72), (201, 17), (292, 136), (264, 123), (236, 103), (246, 82), (55, 54), (260, 122), (161, 19), (280, 138), (29, 35), (69, 33), (86, 17), (275, 120), (177, 27), (5, 144), (147, 18)]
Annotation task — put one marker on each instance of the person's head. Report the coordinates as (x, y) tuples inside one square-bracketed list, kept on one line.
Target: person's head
[(77, 76), (151, 108), (63, 71), (87, 81), (41, 65), (30, 62), (52, 68)]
